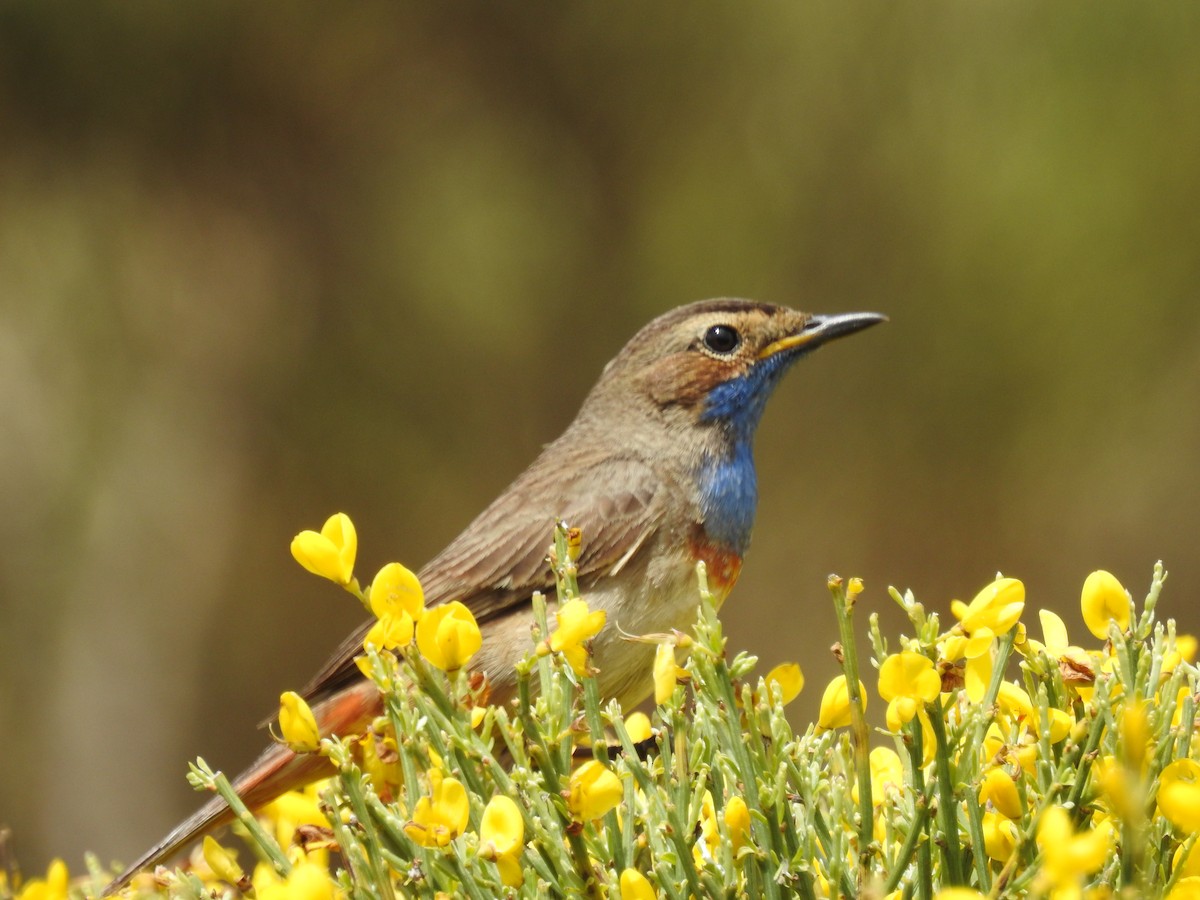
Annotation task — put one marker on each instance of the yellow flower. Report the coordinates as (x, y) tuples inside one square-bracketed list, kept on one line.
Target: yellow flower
[(330, 552), (1179, 794), (1122, 794), (710, 835), (995, 609), (993, 613), (391, 632), (789, 678), (502, 838), (907, 681), (958, 893), (666, 672), (999, 789), (887, 773), (297, 724), (737, 821), (594, 791), (448, 636), (442, 816), (1076, 665), (635, 886), (55, 886), (395, 589), (307, 881), (222, 861), (1023, 751), (1187, 888), (1187, 867), (1103, 601), (576, 625), (1184, 650), (1000, 835), (292, 809), (381, 759), (1068, 856), (835, 704), (638, 726)]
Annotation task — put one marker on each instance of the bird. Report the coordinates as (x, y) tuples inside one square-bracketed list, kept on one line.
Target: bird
[(656, 469)]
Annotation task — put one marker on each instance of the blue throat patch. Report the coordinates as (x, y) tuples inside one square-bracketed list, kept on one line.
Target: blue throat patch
[(727, 479)]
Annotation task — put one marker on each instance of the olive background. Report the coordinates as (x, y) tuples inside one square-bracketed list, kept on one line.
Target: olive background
[(260, 263)]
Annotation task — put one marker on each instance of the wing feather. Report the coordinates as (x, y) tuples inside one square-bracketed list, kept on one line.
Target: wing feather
[(500, 560)]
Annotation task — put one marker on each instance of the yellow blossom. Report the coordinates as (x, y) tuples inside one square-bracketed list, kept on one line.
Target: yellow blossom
[(391, 632), (594, 791), (330, 552), (576, 625), (308, 881), (448, 636), (222, 861), (835, 704), (994, 610), (297, 724), (635, 886), (737, 821), (1000, 835), (1135, 732), (1182, 650), (993, 613), (502, 838), (381, 759), (1186, 644), (1104, 600), (666, 672), (1076, 665), (1189, 866), (1122, 794), (710, 835), (441, 816), (55, 886), (1023, 752), (1187, 888), (958, 893), (887, 773), (638, 726), (396, 589), (790, 680), (292, 809), (907, 681), (1014, 702), (1179, 794), (1068, 856), (999, 789), (502, 828)]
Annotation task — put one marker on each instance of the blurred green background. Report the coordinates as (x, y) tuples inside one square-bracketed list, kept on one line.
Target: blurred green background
[(259, 264)]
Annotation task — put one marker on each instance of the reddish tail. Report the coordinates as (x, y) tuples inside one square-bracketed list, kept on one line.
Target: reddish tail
[(275, 772)]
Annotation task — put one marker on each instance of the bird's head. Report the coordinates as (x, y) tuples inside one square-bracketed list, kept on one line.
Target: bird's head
[(719, 360)]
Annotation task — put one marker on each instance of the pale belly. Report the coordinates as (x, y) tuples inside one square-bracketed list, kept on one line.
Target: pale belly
[(643, 603)]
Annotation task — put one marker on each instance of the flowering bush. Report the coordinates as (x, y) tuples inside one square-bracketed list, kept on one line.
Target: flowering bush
[(1009, 766)]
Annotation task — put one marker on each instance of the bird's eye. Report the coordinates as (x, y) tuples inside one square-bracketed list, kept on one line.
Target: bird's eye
[(722, 339)]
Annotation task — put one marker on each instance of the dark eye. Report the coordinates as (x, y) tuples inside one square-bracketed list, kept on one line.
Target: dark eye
[(722, 339)]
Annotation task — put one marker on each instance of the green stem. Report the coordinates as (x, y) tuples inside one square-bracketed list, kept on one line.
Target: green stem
[(947, 804), (843, 606), (916, 756), (204, 777), (352, 784)]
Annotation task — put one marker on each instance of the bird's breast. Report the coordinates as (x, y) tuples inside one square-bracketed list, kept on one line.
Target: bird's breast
[(722, 563)]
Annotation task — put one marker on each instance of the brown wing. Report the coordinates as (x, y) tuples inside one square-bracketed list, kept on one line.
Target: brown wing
[(500, 559)]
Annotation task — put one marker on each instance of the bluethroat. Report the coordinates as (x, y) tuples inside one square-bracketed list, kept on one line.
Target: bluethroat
[(657, 469)]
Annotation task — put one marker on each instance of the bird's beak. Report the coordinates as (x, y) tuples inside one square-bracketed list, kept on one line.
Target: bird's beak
[(821, 329)]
